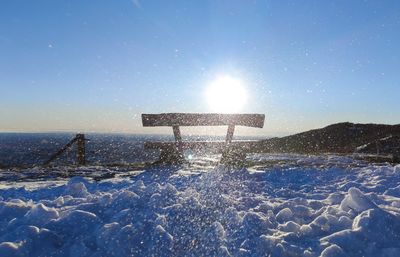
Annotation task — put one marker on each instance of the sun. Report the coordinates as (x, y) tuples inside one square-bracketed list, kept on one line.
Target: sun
[(226, 95)]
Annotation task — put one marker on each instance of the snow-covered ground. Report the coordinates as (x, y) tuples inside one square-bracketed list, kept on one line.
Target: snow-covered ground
[(284, 205)]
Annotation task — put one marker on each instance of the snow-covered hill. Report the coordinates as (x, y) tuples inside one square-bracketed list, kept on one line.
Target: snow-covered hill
[(284, 205)]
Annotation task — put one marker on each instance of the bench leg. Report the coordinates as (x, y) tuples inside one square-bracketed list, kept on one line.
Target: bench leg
[(171, 156), (233, 157)]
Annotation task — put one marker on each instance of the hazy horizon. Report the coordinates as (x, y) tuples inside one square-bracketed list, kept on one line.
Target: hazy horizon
[(95, 66), (186, 131)]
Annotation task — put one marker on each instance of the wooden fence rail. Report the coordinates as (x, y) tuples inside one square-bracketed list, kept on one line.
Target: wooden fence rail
[(80, 141)]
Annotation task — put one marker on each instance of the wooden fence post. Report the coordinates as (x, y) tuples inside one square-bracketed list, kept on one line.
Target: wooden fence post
[(80, 143)]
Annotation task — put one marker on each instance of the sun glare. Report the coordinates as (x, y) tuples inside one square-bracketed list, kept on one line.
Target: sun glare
[(226, 95)]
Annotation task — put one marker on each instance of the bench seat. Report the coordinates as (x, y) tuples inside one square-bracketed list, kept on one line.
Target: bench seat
[(203, 146)]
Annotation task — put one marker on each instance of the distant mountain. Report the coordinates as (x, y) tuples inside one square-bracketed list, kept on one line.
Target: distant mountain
[(337, 138)]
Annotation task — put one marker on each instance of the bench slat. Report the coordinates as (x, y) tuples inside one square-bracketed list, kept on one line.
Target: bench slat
[(202, 119), (218, 146)]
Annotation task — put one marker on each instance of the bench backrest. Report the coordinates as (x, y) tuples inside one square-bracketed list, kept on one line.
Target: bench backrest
[(175, 120), (202, 119)]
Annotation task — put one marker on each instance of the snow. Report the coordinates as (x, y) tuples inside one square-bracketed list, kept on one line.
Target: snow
[(285, 205)]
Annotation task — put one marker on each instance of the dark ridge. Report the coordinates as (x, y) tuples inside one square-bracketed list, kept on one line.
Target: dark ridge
[(336, 138)]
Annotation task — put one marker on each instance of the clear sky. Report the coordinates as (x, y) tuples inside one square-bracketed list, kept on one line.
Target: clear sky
[(97, 65)]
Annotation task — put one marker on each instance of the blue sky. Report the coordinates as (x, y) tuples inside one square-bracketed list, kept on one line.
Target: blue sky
[(97, 65)]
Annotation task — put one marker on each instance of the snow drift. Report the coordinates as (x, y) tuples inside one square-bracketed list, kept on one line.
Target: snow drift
[(319, 206)]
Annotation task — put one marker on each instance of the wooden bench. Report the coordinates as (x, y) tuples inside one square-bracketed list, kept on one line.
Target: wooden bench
[(172, 152)]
